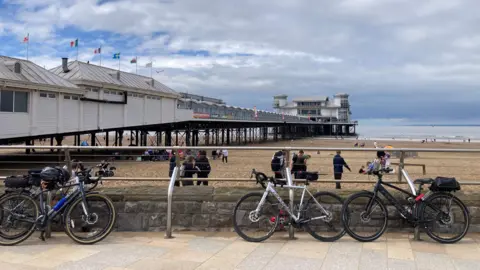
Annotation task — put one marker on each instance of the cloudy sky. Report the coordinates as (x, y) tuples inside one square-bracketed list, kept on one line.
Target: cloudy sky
[(412, 60)]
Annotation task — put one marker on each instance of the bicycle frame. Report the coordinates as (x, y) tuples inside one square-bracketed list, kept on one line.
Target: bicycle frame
[(80, 191), (296, 218)]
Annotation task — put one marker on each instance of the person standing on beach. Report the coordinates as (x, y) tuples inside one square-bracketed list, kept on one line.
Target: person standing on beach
[(225, 156), (204, 165), (338, 164)]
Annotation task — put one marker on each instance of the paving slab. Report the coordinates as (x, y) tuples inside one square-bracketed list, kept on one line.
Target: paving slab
[(225, 250)]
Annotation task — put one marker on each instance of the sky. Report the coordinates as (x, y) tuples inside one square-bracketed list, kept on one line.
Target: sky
[(406, 60)]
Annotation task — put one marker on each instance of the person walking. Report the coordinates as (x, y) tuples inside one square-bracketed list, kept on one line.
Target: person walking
[(338, 164), (204, 165), (225, 156)]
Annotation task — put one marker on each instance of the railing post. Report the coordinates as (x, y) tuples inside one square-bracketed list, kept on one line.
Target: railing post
[(48, 229), (288, 175), (168, 232), (401, 165), (68, 159)]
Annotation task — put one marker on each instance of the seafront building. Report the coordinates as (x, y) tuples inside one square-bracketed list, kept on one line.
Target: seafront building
[(78, 98), (319, 109)]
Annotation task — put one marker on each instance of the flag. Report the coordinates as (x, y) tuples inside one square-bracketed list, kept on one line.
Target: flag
[(74, 43), (148, 65), (133, 61), (116, 56), (99, 50), (25, 39)]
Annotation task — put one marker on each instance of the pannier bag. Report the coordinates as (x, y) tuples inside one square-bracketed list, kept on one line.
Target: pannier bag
[(311, 176), (19, 181), (445, 184)]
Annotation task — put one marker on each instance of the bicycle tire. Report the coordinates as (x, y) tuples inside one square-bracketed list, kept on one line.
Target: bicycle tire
[(237, 227), (10, 241), (464, 209), (346, 217), (112, 219), (336, 199)]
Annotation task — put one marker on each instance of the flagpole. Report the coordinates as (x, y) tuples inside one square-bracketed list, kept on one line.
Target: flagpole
[(76, 41), (28, 42), (118, 62), (136, 64), (100, 55)]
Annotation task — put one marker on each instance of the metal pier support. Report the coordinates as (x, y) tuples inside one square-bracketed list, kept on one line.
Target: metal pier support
[(168, 232)]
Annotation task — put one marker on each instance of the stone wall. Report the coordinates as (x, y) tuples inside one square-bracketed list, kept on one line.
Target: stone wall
[(208, 208)]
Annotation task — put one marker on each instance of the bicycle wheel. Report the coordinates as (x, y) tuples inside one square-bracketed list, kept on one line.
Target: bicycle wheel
[(324, 226), (252, 226), (95, 227), (19, 213), (447, 214), (359, 224)]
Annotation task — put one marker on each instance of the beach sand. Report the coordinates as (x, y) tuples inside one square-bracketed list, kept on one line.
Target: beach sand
[(463, 166)]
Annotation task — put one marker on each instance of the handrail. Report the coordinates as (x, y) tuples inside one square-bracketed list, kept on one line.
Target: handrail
[(352, 149), (173, 179)]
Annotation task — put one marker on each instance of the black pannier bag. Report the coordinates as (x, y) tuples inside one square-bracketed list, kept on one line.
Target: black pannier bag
[(446, 184), (311, 176), (19, 181)]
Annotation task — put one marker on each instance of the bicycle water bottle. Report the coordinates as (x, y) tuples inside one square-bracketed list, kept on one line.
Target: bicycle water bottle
[(59, 204)]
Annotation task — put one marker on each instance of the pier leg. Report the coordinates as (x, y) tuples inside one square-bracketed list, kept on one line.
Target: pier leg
[(120, 138), (176, 137), (51, 142), (228, 136), (106, 138)]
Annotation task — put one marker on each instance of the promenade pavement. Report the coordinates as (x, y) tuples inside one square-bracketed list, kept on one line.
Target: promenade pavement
[(224, 250)]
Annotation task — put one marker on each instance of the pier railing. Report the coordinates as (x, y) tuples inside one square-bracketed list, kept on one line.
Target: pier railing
[(13, 161)]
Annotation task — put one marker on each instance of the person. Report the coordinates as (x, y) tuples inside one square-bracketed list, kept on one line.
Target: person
[(189, 169), (204, 166), (338, 164), (278, 164), (375, 145), (225, 156), (173, 164), (362, 170), (299, 165), (214, 154)]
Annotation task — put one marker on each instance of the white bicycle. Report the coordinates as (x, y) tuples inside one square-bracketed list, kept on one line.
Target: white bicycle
[(256, 215)]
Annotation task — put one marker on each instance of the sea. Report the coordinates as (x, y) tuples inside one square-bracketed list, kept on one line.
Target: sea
[(416, 132)]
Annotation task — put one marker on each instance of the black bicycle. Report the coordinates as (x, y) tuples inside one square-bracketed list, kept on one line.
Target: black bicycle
[(438, 211), (88, 217)]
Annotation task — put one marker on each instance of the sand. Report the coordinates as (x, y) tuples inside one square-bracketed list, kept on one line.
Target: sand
[(463, 166)]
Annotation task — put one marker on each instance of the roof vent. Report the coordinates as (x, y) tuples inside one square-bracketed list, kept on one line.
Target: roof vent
[(151, 82), (65, 64), (115, 74), (14, 66)]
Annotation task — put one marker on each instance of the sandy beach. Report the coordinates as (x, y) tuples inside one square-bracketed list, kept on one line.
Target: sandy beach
[(463, 166)]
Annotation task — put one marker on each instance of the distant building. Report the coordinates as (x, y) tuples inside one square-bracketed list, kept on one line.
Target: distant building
[(320, 109)]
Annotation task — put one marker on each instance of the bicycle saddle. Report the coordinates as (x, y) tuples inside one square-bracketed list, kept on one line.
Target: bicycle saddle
[(423, 181)]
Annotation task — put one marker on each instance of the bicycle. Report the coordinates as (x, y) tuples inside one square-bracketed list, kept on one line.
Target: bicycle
[(261, 212), (420, 210), (23, 214)]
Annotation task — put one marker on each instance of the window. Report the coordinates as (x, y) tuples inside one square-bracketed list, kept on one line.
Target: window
[(149, 97), (66, 97), (120, 93), (75, 97), (52, 95), (135, 95), (95, 90), (13, 101), (140, 96), (21, 102), (106, 92), (44, 95), (6, 101), (129, 94)]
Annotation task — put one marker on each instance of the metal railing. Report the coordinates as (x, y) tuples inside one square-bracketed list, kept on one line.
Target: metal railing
[(65, 150)]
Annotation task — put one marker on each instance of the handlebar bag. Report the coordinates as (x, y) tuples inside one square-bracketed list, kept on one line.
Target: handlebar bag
[(446, 184)]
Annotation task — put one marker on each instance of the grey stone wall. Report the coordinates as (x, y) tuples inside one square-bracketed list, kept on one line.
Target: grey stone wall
[(208, 208)]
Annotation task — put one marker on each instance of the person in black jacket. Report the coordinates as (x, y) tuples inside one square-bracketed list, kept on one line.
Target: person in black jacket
[(173, 164), (189, 170), (299, 165), (338, 164), (204, 165)]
